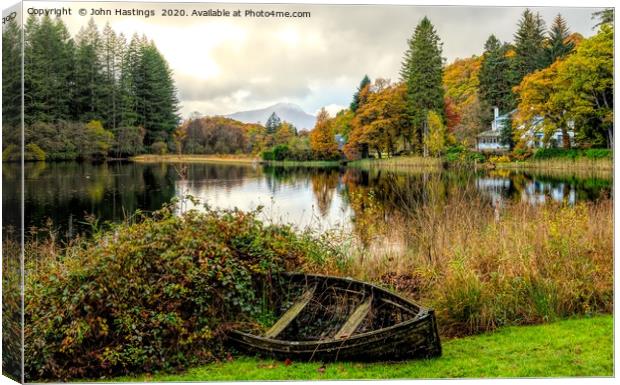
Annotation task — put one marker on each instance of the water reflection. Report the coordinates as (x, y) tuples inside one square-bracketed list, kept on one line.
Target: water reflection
[(321, 198)]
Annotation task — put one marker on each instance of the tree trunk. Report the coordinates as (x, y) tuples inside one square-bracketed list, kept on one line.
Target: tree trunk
[(565, 138)]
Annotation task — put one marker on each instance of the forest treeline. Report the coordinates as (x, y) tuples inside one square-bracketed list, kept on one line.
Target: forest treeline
[(545, 80), (99, 95), (94, 95)]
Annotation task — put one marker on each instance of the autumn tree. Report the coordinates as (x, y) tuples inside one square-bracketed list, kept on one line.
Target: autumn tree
[(284, 133), (422, 73), (437, 138), (543, 105), (462, 105), (589, 74), (356, 97), (382, 123), (322, 138), (578, 88)]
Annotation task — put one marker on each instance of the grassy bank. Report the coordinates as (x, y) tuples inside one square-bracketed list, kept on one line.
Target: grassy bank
[(582, 164), (232, 159), (399, 163), (308, 163), (568, 348)]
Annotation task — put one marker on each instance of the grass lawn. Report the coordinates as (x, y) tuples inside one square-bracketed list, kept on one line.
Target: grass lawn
[(568, 348)]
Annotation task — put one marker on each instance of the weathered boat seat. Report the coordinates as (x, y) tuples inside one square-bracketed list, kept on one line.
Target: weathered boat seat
[(290, 314)]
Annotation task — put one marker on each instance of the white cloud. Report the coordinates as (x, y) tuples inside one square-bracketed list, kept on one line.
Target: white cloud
[(332, 109), (223, 65)]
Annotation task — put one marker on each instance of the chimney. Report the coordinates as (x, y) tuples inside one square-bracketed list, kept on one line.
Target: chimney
[(495, 116)]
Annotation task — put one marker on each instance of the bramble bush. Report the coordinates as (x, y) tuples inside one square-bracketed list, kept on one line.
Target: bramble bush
[(155, 294)]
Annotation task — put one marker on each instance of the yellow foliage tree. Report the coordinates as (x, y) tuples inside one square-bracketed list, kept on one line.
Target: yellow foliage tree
[(322, 138), (437, 139)]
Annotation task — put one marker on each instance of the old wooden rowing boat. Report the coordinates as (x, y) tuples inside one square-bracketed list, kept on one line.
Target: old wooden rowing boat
[(330, 318)]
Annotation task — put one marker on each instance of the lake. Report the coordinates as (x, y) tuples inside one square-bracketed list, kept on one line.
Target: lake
[(64, 195)]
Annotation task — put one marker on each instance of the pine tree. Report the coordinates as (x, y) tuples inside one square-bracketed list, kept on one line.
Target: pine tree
[(110, 66), (11, 78), (48, 71), (156, 95), (128, 87), (559, 45), (273, 123), (606, 16), (495, 79), (529, 45), (422, 73), (356, 97), (89, 76)]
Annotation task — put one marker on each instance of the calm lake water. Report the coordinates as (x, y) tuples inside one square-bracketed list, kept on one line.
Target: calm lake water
[(64, 194)]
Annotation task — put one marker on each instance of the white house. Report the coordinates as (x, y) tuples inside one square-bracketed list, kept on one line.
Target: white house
[(534, 136), (490, 140)]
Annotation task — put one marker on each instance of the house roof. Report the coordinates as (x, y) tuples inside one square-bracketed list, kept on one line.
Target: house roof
[(489, 134)]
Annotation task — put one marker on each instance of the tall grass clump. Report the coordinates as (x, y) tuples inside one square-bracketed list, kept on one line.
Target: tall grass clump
[(154, 294), (484, 265), (399, 163)]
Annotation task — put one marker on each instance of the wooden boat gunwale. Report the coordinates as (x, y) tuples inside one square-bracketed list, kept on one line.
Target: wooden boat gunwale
[(423, 315)]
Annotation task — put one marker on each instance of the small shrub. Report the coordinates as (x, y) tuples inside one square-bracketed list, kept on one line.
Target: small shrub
[(11, 153), (280, 152), (499, 159), (32, 152), (268, 155), (159, 148), (598, 153)]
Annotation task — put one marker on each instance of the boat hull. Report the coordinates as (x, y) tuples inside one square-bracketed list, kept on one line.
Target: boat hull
[(417, 337)]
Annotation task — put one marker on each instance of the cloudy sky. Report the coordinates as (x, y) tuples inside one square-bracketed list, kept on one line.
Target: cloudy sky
[(223, 65)]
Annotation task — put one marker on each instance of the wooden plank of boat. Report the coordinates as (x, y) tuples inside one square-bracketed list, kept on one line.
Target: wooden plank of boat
[(290, 314), (354, 321)]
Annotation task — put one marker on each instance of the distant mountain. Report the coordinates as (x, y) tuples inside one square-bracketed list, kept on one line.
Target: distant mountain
[(289, 112)]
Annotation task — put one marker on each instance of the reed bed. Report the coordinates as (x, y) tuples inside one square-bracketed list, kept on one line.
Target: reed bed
[(482, 265), (399, 163), (582, 163)]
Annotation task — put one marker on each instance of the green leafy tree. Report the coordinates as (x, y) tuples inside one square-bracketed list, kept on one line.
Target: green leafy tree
[(356, 97), (422, 73)]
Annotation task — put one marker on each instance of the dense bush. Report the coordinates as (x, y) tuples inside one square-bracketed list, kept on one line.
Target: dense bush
[(32, 152), (153, 295), (159, 148), (11, 153), (549, 153), (460, 154)]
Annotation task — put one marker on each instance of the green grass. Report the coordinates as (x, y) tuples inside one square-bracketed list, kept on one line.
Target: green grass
[(568, 348)]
